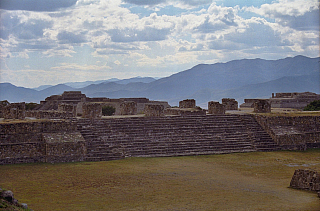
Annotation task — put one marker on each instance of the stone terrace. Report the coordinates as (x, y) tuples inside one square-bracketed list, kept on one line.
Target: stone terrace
[(109, 139)]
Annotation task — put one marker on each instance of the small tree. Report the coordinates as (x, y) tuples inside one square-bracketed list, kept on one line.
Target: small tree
[(313, 106), (108, 110), (31, 106)]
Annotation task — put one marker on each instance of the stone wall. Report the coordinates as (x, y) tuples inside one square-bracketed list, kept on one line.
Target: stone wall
[(128, 108), (262, 106), (69, 108), (297, 133), (188, 103), (40, 141), (154, 110), (231, 104), (306, 180), (14, 111), (51, 114), (185, 112), (91, 110), (216, 108)]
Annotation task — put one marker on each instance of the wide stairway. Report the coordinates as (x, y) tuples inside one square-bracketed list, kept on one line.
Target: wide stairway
[(116, 138)]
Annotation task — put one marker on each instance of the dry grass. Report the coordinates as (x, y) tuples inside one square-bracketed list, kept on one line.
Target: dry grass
[(242, 181)]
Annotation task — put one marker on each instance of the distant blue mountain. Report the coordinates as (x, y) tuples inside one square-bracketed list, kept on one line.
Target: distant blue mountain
[(239, 79)]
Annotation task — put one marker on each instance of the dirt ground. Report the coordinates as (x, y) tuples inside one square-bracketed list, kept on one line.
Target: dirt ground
[(240, 181)]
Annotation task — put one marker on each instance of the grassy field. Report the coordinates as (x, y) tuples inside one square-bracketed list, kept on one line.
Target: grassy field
[(241, 181)]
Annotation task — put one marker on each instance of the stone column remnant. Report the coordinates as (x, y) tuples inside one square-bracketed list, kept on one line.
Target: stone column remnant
[(128, 108), (188, 103), (15, 111), (230, 103), (216, 108), (262, 106), (154, 110), (91, 110)]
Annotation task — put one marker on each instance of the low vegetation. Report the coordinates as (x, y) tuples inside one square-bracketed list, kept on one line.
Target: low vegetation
[(313, 106), (108, 110), (31, 106), (240, 181)]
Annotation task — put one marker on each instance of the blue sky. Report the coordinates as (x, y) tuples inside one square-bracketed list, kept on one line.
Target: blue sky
[(57, 41)]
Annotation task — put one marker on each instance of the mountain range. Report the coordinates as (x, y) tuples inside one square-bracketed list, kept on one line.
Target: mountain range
[(239, 79)]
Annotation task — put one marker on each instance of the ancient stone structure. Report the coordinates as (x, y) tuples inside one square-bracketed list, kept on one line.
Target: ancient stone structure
[(51, 114), (292, 133), (188, 103), (261, 106), (68, 97), (128, 108), (91, 110), (286, 100), (76, 98), (306, 180), (69, 108), (41, 141), (248, 103), (216, 108), (14, 111), (230, 103), (153, 110)]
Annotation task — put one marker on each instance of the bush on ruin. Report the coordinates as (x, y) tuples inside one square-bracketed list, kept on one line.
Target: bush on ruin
[(313, 106), (108, 110), (31, 106)]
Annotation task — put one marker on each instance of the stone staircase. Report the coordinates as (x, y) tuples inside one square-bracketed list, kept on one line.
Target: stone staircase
[(109, 139), (261, 140)]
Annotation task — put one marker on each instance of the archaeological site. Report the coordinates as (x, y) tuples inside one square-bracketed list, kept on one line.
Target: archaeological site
[(70, 127)]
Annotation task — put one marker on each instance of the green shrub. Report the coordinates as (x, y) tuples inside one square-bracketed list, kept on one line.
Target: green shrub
[(108, 110), (313, 106), (31, 106)]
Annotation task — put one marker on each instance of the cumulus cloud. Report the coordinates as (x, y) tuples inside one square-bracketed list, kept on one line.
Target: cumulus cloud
[(36, 5), (297, 14), (69, 37), (144, 2), (133, 35)]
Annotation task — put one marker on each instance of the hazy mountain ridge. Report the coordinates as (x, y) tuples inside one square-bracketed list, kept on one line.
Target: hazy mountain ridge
[(239, 79)]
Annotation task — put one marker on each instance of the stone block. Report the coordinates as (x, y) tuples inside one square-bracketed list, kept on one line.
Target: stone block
[(153, 110), (188, 103), (128, 108), (262, 106), (14, 111), (70, 108), (230, 103), (216, 108), (91, 110)]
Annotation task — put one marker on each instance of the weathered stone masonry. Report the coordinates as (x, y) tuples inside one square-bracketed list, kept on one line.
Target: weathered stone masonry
[(40, 141), (116, 138), (296, 133), (306, 180)]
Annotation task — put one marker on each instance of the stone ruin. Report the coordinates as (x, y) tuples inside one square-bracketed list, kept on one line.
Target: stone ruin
[(306, 180), (261, 106), (186, 108), (294, 100), (216, 108), (188, 103), (70, 108), (128, 108), (14, 111), (154, 110), (91, 110), (230, 103)]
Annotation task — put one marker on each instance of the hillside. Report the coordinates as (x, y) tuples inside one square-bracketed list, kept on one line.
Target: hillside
[(240, 79)]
